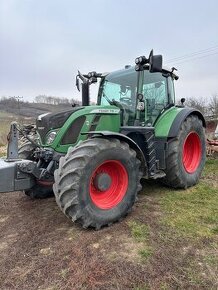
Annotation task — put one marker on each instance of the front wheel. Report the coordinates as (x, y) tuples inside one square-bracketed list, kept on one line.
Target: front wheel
[(97, 182), (186, 155)]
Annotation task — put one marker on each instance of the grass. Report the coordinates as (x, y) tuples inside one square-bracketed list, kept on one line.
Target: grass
[(193, 213), (211, 168), (2, 154), (4, 129), (211, 260), (5, 122), (140, 232), (145, 253), (6, 115), (190, 223)]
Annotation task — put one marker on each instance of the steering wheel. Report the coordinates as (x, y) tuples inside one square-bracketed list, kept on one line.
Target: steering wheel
[(126, 100), (120, 105), (126, 110)]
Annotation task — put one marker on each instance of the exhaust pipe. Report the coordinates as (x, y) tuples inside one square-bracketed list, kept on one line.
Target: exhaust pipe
[(85, 94)]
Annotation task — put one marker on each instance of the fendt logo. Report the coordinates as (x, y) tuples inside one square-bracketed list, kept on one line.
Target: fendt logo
[(106, 111)]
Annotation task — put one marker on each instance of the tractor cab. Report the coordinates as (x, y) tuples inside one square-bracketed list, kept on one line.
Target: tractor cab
[(141, 104), (142, 92)]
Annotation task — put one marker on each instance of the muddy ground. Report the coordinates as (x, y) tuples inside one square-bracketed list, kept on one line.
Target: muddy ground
[(41, 249)]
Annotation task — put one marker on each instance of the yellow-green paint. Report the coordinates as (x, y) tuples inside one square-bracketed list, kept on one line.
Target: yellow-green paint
[(109, 121), (164, 122)]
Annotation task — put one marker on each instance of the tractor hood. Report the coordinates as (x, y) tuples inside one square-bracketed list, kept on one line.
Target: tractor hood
[(61, 130), (49, 121)]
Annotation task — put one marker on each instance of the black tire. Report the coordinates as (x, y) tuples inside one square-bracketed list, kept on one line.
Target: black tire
[(73, 188), (39, 190), (180, 172)]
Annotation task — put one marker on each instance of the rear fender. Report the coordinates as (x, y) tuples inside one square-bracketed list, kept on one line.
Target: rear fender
[(182, 115), (169, 123)]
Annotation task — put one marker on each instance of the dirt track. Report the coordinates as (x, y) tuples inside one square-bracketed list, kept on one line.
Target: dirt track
[(40, 249)]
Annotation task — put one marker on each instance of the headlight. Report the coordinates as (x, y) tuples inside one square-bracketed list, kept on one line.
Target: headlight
[(50, 138), (137, 60), (92, 74), (141, 60)]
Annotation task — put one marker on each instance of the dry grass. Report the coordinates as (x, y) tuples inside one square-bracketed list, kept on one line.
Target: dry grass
[(4, 129), (5, 121)]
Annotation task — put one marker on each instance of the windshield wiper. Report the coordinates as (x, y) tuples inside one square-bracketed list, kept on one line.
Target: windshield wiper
[(107, 99), (111, 102)]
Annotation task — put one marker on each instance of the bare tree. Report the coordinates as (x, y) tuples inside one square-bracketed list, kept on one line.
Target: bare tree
[(213, 105), (198, 103), (40, 99)]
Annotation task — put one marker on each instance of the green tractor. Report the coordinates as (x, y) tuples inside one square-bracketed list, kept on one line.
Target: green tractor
[(92, 158)]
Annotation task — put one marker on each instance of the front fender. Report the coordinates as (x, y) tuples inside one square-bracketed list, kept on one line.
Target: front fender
[(121, 137)]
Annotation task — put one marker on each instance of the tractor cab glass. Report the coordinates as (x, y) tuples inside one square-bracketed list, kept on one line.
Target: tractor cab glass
[(158, 93), (120, 89)]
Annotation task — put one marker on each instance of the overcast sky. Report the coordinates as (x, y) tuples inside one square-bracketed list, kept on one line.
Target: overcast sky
[(44, 42)]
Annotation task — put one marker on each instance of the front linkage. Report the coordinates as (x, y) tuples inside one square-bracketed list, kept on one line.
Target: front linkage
[(21, 174)]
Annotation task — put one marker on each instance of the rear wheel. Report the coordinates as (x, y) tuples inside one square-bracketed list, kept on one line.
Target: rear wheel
[(97, 182), (186, 155)]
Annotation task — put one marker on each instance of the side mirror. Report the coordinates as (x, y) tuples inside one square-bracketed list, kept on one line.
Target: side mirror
[(155, 62)]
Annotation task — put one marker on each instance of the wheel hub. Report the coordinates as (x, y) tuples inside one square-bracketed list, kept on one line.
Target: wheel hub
[(192, 152), (108, 184), (102, 181)]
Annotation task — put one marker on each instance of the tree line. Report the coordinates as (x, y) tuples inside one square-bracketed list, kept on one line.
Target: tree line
[(52, 100), (209, 107), (43, 99)]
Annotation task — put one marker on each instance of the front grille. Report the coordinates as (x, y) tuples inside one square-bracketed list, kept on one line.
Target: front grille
[(72, 134)]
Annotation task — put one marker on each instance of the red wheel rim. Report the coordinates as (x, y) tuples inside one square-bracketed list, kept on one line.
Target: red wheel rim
[(191, 152), (113, 195)]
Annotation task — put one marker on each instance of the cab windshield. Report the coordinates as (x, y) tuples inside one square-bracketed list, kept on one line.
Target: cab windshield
[(120, 88)]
